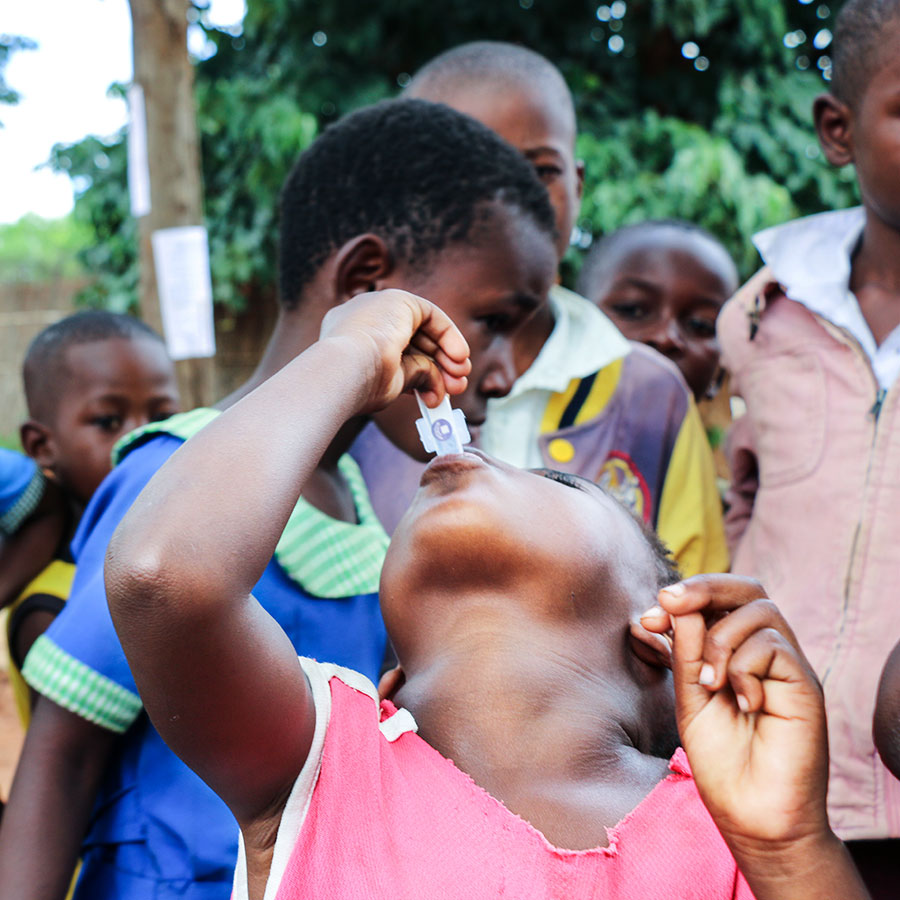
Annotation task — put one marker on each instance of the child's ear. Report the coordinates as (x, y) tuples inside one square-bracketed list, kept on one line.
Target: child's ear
[(360, 264), (37, 442), (653, 649), (833, 120), (391, 682), (579, 176)]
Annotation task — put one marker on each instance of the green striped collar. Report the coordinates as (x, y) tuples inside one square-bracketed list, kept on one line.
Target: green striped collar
[(71, 684), (327, 558)]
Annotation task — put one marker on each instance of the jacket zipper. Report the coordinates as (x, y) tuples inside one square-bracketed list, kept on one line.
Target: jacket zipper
[(843, 335)]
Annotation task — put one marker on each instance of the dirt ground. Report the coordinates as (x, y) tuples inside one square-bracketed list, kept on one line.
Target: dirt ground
[(11, 735)]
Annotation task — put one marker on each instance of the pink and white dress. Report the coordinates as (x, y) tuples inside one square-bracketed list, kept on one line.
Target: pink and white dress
[(378, 814)]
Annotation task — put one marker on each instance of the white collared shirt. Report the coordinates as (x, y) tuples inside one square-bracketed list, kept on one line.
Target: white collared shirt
[(582, 342), (810, 259)]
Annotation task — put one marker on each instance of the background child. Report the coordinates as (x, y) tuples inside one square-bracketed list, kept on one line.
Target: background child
[(519, 758), (89, 379), (662, 283), (811, 342), (589, 403), (32, 520), (403, 193)]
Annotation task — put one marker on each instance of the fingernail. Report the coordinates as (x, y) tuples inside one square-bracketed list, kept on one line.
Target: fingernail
[(655, 612), (743, 703), (676, 590), (707, 674)]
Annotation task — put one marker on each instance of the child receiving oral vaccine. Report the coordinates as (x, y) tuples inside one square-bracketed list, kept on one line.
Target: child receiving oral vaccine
[(523, 743)]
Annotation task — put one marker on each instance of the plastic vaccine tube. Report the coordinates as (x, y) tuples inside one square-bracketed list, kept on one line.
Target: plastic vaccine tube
[(442, 430)]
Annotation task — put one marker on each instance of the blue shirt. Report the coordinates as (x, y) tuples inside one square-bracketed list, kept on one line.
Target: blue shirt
[(157, 830)]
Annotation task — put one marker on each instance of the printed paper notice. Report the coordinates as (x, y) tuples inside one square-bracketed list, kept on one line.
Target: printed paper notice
[(138, 167), (181, 256)]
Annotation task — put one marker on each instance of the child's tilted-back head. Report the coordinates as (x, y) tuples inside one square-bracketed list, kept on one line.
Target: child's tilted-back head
[(524, 98), (89, 379), (856, 120), (663, 283), (492, 556)]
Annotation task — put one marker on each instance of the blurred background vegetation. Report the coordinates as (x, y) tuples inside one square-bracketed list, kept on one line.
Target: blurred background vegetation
[(698, 109)]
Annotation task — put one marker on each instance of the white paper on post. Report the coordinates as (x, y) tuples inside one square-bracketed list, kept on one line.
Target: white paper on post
[(181, 257), (138, 167)]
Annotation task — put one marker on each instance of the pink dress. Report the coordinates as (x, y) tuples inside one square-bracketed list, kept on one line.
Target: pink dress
[(379, 814)]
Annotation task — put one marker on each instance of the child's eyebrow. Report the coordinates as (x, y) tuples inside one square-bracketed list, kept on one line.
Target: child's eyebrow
[(526, 301), (537, 151)]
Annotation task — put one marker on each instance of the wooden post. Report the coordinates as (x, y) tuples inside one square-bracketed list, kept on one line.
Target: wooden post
[(164, 71)]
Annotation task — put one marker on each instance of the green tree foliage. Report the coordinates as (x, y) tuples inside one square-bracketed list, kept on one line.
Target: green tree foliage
[(36, 249), (9, 44), (698, 109)]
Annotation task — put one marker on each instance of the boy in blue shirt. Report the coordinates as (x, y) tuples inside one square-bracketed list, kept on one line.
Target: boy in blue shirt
[(89, 379)]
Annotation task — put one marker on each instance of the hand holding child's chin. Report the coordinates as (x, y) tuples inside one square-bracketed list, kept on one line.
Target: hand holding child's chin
[(405, 342)]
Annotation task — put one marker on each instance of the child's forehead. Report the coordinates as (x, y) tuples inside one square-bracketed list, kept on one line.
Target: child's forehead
[(107, 361), (676, 244), (498, 96)]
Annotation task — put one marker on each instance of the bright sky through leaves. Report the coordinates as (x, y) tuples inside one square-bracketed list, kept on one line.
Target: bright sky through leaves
[(83, 47)]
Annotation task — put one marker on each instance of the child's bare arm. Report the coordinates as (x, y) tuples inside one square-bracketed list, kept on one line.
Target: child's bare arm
[(752, 721), (886, 723), (49, 808), (25, 553), (218, 677)]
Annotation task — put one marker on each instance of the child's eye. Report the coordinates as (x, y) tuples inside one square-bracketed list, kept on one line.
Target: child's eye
[(548, 173), (496, 322), (702, 328), (110, 424), (632, 312), (560, 477)]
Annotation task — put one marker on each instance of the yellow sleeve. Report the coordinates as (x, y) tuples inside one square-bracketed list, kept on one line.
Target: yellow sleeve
[(689, 521)]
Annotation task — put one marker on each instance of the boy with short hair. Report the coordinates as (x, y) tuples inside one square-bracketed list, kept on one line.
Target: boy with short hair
[(405, 193), (89, 379), (662, 282), (813, 345), (586, 401)]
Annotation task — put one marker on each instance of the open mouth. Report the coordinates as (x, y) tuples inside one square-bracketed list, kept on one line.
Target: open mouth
[(453, 464)]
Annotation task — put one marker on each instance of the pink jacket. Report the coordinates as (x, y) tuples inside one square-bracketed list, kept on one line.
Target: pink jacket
[(815, 516)]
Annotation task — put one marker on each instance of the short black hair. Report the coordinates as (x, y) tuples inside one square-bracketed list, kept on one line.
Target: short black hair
[(667, 571), (473, 64), (418, 174), (605, 249), (43, 371), (858, 47)]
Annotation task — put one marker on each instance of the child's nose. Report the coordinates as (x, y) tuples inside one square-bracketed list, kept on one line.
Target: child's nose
[(499, 372), (666, 337)]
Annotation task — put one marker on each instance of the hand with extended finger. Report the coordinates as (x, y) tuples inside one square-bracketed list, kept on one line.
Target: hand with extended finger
[(750, 711), (752, 721), (406, 343)]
